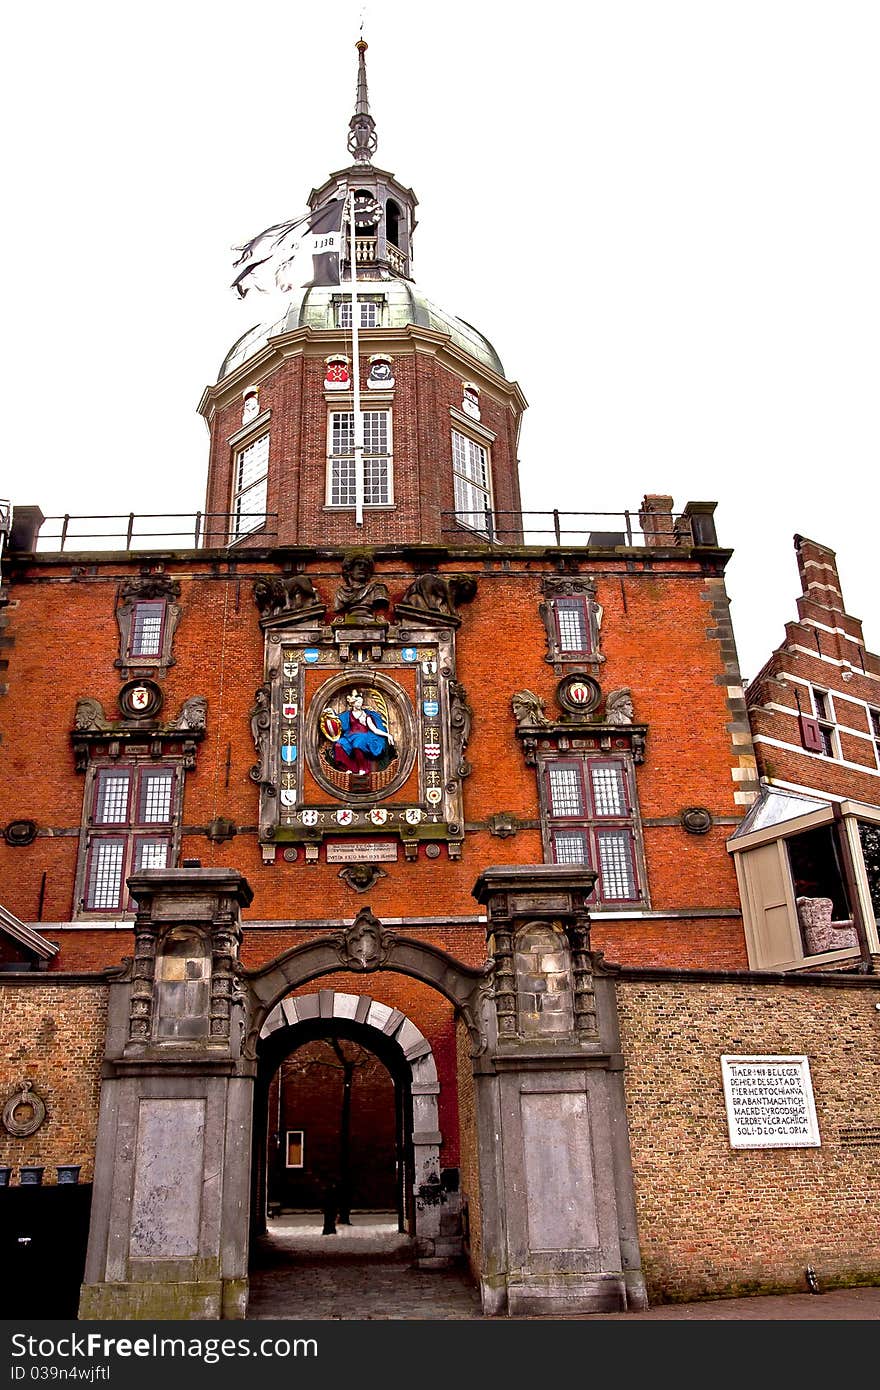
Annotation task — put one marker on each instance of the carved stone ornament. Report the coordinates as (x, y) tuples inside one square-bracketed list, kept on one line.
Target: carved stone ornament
[(579, 694), (361, 877), (619, 706), (261, 720), (529, 710), (32, 1108), (20, 832), (144, 587), (140, 699), (93, 731), (294, 596), (461, 717), (436, 598), (194, 714), (90, 715), (503, 824), (366, 944), (696, 820), (360, 599), (582, 588), (147, 588)]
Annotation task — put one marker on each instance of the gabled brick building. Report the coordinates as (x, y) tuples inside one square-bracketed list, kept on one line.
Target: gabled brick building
[(808, 853)]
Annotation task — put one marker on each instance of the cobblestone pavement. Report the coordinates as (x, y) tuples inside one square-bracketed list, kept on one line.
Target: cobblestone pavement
[(364, 1272)]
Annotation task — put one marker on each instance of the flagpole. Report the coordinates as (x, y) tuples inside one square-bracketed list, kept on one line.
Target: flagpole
[(358, 419)]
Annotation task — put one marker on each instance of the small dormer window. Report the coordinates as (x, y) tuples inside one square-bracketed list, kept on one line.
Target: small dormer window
[(370, 313)]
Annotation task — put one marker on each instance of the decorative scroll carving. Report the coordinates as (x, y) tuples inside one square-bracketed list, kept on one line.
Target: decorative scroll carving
[(472, 1010), (619, 706), (436, 597), (360, 598), (366, 944), (461, 717), (261, 719), (143, 587), (294, 596), (571, 586), (566, 586), (147, 588), (27, 1100), (529, 710)]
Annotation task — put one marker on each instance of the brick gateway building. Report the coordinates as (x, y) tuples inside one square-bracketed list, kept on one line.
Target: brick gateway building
[(377, 768)]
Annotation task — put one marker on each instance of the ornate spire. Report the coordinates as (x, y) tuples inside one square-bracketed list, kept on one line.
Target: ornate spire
[(362, 140)]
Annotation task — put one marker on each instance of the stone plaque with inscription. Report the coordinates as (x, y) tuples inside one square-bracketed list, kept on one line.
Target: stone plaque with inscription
[(362, 852), (770, 1102)]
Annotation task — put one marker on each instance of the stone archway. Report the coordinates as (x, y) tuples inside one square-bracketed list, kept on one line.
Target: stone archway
[(430, 1198), (366, 946)]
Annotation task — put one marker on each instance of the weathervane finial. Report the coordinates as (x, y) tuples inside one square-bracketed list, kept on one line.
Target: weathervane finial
[(362, 139)]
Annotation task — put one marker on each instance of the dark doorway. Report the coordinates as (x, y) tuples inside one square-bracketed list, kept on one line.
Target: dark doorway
[(333, 1120)]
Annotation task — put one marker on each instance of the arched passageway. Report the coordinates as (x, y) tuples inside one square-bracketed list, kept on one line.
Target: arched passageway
[(387, 1034)]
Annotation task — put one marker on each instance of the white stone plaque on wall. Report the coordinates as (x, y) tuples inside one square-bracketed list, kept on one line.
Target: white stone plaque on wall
[(770, 1103), (362, 852)]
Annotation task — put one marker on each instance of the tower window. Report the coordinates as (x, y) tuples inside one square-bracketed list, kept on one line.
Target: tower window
[(378, 490), (826, 721), (370, 312), (472, 484), (251, 482)]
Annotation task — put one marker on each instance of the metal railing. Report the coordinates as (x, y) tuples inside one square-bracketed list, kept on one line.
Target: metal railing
[(164, 531), (604, 530)]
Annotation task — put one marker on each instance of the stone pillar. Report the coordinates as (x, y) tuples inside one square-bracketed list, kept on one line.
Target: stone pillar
[(559, 1234), (169, 1228)]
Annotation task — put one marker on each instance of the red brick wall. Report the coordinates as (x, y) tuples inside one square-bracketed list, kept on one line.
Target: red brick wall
[(654, 637), (426, 387)]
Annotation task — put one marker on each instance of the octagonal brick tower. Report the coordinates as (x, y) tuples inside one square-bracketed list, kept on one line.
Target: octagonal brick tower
[(441, 419)]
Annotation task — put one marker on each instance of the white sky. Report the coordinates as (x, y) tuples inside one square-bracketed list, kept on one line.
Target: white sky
[(664, 213)]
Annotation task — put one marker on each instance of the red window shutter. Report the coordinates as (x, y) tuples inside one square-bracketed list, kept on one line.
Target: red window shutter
[(811, 735)]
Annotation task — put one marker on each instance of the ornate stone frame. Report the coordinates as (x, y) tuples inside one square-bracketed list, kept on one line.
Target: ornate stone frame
[(147, 588), (571, 586)]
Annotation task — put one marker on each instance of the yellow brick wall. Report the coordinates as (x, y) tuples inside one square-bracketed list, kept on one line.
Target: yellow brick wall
[(52, 1034), (715, 1220)]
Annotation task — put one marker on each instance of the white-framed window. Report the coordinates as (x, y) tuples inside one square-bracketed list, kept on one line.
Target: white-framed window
[(378, 456), (823, 709), (250, 487), (294, 1149), (589, 819), (129, 826), (370, 313), (472, 483), (874, 721)]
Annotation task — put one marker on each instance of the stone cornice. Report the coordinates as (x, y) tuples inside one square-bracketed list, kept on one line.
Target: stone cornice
[(319, 342)]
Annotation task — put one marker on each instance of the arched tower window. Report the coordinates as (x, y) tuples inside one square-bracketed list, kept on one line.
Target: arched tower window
[(394, 223)]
